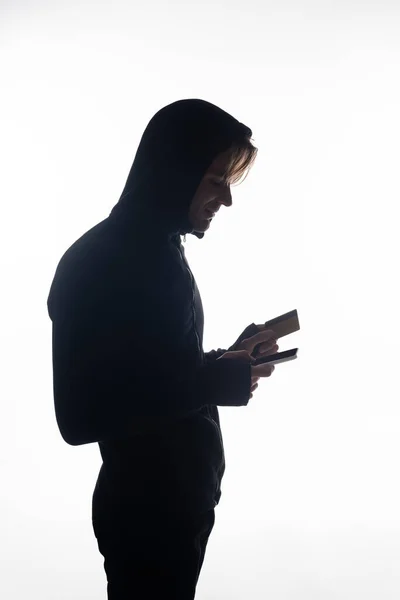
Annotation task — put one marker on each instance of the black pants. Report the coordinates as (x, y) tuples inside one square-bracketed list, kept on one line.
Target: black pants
[(149, 556)]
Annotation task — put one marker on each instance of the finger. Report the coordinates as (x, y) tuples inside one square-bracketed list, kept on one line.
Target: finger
[(262, 336), (267, 349), (264, 370), (242, 355)]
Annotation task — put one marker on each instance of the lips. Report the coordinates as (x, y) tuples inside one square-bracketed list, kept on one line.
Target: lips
[(210, 212)]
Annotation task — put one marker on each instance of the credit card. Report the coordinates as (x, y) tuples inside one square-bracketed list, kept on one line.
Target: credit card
[(284, 324)]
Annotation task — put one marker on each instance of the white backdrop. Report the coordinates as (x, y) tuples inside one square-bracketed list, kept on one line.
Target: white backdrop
[(311, 495)]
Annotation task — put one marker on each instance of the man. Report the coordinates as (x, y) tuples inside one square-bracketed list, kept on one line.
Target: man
[(129, 369)]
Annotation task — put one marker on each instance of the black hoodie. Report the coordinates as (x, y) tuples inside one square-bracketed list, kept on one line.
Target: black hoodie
[(129, 370)]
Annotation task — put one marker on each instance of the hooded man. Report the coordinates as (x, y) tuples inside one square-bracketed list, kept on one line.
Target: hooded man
[(129, 370)]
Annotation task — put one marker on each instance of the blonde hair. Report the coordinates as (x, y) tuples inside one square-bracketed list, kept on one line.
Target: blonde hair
[(242, 156)]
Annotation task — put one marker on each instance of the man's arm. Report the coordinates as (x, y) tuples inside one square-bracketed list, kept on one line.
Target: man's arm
[(120, 363)]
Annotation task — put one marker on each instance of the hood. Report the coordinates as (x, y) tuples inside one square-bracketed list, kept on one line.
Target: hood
[(176, 149)]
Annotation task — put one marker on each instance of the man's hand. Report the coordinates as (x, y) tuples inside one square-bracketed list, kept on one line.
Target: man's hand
[(262, 343), (265, 344), (249, 332), (264, 340)]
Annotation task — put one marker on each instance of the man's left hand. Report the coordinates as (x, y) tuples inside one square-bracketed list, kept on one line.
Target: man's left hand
[(257, 347)]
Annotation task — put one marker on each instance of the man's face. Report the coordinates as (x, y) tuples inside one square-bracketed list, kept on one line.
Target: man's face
[(211, 193)]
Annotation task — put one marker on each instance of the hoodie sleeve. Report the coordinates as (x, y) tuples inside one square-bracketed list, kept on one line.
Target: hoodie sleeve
[(121, 363)]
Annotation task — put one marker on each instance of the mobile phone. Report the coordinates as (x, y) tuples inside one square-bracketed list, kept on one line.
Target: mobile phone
[(275, 359)]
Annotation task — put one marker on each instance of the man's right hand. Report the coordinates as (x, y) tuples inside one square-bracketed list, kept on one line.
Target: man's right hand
[(264, 370)]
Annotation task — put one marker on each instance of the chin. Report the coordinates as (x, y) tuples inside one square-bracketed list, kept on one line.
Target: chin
[(201, 225)]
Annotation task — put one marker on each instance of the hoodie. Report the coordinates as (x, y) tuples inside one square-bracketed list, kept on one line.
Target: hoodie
[(129, 369)]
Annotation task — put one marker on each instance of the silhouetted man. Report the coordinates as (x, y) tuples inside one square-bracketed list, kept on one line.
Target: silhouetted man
[(129, 368)]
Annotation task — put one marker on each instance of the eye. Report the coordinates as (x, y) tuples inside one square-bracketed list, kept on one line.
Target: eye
[(218, 182)]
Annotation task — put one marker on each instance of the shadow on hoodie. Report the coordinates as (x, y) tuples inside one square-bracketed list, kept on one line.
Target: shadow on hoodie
[(129, 370)]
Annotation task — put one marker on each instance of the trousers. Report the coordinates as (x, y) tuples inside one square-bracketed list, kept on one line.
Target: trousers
[(149, 555)]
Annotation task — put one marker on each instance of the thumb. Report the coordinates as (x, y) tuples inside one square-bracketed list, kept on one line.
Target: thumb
[(241, 355), (260, 337)]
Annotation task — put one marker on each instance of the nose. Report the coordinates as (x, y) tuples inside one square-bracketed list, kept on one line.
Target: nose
[(226, 198)]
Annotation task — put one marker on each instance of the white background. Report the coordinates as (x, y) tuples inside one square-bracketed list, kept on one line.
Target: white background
[(311, 495)]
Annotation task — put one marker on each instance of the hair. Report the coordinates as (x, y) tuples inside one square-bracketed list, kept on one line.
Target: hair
[(243, 154)]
